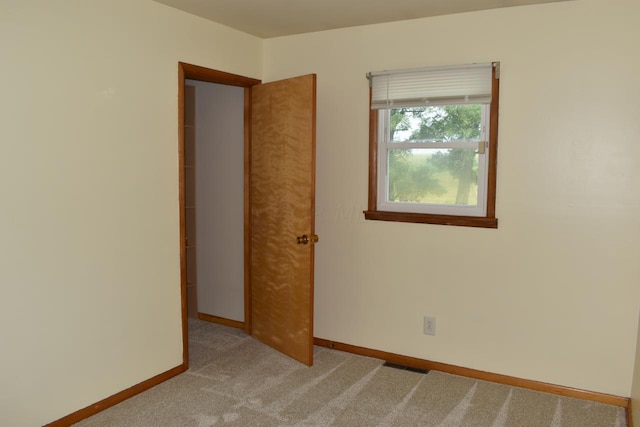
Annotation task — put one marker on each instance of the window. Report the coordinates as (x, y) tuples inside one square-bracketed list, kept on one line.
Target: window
[(433, 145)]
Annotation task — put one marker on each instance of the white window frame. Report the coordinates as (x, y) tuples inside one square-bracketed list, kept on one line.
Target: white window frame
[(479, 209)]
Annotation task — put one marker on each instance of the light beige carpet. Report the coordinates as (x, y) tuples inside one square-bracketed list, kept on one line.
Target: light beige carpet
[(236, 381)]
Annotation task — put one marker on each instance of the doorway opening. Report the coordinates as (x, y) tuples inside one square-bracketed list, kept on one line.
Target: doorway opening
[(278, 211), (187, 198)]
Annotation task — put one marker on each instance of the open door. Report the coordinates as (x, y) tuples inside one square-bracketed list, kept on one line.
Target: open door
[(282, 213)]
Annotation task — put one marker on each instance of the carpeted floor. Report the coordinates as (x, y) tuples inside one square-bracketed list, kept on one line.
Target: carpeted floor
[(235, 380)]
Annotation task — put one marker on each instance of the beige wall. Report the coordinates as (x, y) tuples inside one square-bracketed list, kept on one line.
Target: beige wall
[(89, 259), (635, 390), (552, 294)]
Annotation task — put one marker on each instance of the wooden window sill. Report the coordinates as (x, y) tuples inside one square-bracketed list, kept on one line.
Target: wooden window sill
[(463, 221)]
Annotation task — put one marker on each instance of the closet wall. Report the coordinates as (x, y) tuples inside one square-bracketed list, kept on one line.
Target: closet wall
[(219, 197), (190, 197)]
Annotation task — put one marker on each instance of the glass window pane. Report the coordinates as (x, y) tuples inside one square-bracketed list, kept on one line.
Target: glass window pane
[(435, 176), (435, 123)]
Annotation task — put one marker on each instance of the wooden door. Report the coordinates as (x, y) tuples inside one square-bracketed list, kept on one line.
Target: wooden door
[(282, 208)]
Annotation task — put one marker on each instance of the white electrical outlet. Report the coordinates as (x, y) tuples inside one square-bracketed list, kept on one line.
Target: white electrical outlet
[(429, 325)]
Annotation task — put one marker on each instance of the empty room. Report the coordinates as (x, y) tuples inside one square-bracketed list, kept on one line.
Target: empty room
[(477, 239)]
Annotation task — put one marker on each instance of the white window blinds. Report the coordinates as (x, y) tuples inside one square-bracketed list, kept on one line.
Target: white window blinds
[(460, 84)]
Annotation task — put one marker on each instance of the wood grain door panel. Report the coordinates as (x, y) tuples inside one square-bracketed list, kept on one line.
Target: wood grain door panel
[(282, 200)]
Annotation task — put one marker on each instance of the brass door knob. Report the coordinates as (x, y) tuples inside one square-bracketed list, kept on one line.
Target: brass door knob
[(304, 239)]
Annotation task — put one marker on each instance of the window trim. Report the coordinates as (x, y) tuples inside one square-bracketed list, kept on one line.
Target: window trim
[(487, 221)]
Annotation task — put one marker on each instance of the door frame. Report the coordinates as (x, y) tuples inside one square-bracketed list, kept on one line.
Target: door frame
[(195, 72)]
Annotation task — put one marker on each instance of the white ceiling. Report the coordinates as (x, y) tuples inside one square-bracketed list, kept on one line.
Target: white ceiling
[(274, 18)]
